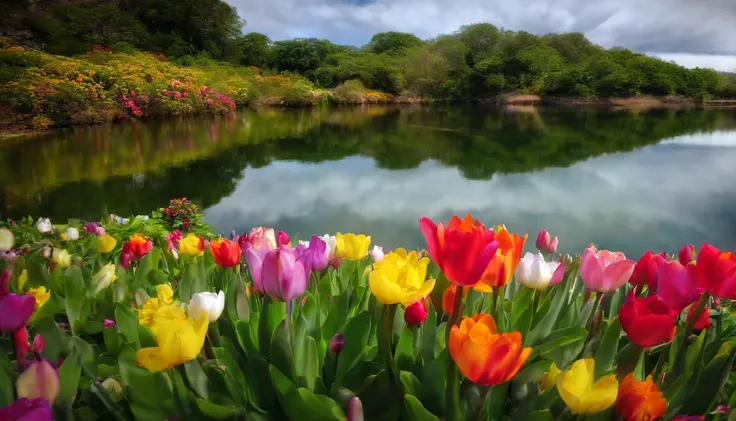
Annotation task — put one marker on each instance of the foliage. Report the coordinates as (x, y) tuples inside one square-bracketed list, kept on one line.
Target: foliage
[(392, 42)]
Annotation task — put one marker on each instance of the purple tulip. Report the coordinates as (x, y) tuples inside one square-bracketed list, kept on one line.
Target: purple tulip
[(15, 309), (355, 409), (25, 409), (254, 257), (283, 276), (320, 253)]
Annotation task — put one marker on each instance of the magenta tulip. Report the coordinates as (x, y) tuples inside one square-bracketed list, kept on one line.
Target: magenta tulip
[(678, 284), (546, 243), (686, 254), (605, 271), (319, 253), (282, 239), (25, 409), (15, 309), (283, 276)]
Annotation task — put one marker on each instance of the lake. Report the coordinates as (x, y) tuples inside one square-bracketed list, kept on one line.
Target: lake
[(625, 180)]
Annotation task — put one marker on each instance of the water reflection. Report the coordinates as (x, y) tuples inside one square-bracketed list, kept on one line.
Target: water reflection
[(587, 175)]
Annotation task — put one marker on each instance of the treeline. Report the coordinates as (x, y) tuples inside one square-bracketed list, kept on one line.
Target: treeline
[(476, 61)]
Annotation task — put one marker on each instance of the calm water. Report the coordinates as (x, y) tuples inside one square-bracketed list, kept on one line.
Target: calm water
[(628, 181)]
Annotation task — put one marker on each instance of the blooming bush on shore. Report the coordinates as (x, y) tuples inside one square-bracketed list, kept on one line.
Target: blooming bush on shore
[(130, 318)]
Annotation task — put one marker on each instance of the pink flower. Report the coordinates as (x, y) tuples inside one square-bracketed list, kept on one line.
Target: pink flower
[(376, 253), (686, 254), (15, 309), (282, 239), (283, 276), (546, 243), (678, 284), (39, 380), (261, 238), (605, 271), (25, 409), (108, 323), (173, 238), (210, 101)]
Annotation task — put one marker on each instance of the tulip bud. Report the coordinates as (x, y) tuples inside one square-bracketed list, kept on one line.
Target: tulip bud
[(546, 243), (377, 253), (686, 254), (44, 225), (355, 409), (22, 347), (114, 389), (100, 231), (208, 302), (108, 323), (39, 344), (233, 235), (6, 240), (337, 343), (282, 239), (71, 234), (416, 314), (335, 263)]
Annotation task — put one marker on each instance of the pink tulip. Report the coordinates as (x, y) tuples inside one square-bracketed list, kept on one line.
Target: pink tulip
[(282, 239), (254, 258), (261, 238), (558, 272), (678, 284), (546, 243), (15, 309), (316, 255), (283, 276), (605, 271), (687, 254), (40, 380), (355, 409), (39, 344)]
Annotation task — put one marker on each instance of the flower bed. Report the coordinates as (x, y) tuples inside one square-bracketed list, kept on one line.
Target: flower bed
[(135, 319)]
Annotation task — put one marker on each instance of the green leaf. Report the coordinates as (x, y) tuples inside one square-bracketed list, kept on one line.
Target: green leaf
[(606, 351), (215, 411), (7, 375), (415, 411), (145, 334), (628, 358), (127, 323), (244, 332), (306, 363), (299, 404), (433, 378), (150, 394), (336, 316), (282, 356), (271, 315), (193, 280), (540, 416), (694, 351), (429, 330), (712, 380), (260, 390), (616, 300), (56, 341), (561, 338), (357, 332), (404, 354), (543, 329), (196, 378), (77, 305), (532, 372), (147, 263), (237, 303)]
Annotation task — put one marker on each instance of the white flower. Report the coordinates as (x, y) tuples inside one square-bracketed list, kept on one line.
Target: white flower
[(331, 241), (44, 225), (376, 253), (210, 302), (71, 234), (6, 240), (534, 272), (104, 278)]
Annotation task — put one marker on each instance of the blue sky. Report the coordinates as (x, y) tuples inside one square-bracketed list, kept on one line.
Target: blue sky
[(690, 32)]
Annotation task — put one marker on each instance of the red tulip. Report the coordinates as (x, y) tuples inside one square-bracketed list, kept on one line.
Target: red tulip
[(716, 271), (282, 239), (647, 321), (645, 271), (416, 314), (703, 321), (225, 252), (462, 250), (687, 254), (546, 243), (139, 246), (678, 285), (22, 347)]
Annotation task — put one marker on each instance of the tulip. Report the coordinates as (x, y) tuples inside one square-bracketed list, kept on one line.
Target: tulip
[(483, 355), (39, 380), (376, 254), (254, 257), (104, 278), (39, 344), (703, 321), (282, 239), (448, 298), (22, 346), (582, 393), (504, 262), (337, 343), (179, 339), (605, 271), (100, 231), (106, 243), (534, 272), (462, 250), (113, 388), (400, 278), (548, 378), (686, 254), (678, 285), (716, 272), (645, 270), (261, 238), (6, 240), (225, 252), (191, 245), (62, 258), (90, 228), (638, 401), (165, 293), (320, 253), (125, 257), (44, 225), (351, 246), (546, 243), (15, 310), (206, 302), (25, 409), (647, 321), (108, 323), (41, 295), (283, 276), (71, 234), (416, 314), (139, 246), (355, 409), (331, 241)]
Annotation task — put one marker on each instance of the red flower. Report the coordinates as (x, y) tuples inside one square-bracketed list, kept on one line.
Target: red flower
[(716, 271), (645, 271), (640, 401), (678, 285), (416, 314), (139, 246), (703, 321), (686, 254), (647, 321), (225, 252), (463, 250)]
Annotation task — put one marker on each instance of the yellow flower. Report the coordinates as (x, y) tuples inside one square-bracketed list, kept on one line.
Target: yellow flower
[(191, 245), (106, 243), (582, 393), (22, 279), (41, 294), (165, 293), (178, 341), (62, 258), (160, 309), (104, 278), (548, 379), (400, 278), (351, 246)]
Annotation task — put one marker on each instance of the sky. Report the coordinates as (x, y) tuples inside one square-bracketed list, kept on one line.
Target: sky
[(689, 32)]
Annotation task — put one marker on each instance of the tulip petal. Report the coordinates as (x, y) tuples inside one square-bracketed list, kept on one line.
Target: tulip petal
[(616, 274), (483, 261), (15, 311), (385, 290), (412, 297)]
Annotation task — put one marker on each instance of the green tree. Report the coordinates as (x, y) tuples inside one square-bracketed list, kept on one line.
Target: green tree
[(254, 49), (302, 55), (393, 42)]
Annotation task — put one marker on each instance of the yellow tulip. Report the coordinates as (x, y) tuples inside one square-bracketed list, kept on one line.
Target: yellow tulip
[(351, 246), (62, 258), (191, 245), (165, 293), (178, 341), (41, 294), (106, 243), (580, 391), (400, 278), (548, 378)]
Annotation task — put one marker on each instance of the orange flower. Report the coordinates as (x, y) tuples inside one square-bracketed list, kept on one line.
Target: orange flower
[(139, 246), (502, 266), (225, 252), (448, 298), (482, 354), (639, 401)]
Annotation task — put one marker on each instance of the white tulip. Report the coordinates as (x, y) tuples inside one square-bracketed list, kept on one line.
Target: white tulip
[(6, 240), (534, 272), (71, 234), (331, 242), (210, 302), (104, 277), (44, 225), (376, 253)]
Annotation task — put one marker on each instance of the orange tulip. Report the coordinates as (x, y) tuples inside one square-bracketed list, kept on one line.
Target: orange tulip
[(225, 252), (640, 401), (448, 298), (139, 246), (482, 354), (502, 266)]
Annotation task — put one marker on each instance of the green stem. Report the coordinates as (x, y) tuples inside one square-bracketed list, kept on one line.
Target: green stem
[(385, 348), (452, 398), (535, 301), (496, 292), (678, 366)]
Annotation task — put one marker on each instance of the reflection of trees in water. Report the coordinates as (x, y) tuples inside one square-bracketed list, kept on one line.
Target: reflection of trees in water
[(96, 170)]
